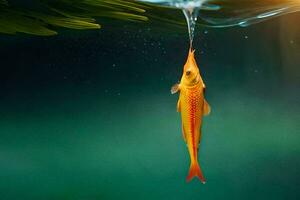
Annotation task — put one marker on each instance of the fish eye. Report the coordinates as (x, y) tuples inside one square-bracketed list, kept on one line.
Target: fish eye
[(188, 73)]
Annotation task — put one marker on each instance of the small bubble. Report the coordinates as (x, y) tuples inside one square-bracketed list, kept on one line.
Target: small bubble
[(246, 36)]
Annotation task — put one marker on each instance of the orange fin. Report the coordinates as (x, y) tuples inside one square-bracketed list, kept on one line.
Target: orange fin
[(206, 108), (195, 171), (178, 106), (175, 88), (183, 133)]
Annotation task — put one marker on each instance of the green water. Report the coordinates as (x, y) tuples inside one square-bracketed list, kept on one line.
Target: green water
[(89, 115)]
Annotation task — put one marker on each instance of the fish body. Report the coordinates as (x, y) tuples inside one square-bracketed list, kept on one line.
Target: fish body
[(193, 107)]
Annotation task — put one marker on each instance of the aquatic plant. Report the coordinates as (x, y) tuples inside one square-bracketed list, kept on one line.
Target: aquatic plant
[(45, 16)]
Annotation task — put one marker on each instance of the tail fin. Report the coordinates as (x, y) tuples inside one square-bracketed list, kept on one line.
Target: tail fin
[(195, 171)]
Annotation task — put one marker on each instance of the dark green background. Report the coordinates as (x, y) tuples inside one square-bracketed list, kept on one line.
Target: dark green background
[(89, 115)]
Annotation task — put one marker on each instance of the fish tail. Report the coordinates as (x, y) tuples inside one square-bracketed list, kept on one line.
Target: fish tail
[(195, 170)]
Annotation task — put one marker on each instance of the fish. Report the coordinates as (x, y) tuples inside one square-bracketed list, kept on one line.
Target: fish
[(192, 106)]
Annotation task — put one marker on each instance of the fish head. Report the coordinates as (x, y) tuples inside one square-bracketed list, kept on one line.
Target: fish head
[(191, 74)]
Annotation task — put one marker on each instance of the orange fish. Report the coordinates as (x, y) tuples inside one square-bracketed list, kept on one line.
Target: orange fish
[(192, 106)]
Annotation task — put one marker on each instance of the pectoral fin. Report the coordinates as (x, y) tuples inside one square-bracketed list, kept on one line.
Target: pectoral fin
[(175, 88), (206, 108)]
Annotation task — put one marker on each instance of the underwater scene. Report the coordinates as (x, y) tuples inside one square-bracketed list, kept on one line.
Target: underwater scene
[(149, 99)]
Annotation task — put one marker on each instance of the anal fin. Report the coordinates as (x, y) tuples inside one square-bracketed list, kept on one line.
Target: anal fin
[(183, 133)]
